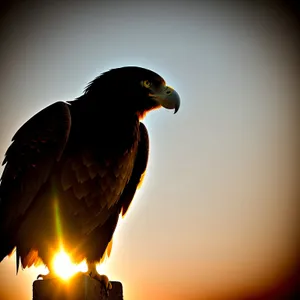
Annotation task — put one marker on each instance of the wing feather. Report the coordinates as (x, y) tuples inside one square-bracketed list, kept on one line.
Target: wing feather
[(138, 170), (35, 147), (102, 235)]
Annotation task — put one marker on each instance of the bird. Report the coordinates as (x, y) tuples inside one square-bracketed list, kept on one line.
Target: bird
[(74, 167)]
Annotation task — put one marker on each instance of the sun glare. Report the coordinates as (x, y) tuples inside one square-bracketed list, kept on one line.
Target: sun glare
[(64, 267), (101, 268)]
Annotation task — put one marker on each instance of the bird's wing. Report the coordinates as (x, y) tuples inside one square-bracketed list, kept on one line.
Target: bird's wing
[(101, 236), (138, 170), (95, 189), (36, 146)]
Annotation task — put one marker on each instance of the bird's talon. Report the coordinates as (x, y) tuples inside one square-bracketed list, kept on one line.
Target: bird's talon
[(103, 280), (108, 288), (45, 277)]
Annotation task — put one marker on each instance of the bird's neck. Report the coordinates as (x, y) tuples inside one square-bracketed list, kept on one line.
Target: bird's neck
[(92, 114), (101, 129), (105, 106)]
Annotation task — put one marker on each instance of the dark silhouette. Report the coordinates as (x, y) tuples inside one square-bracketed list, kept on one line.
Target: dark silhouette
[(74, 167)]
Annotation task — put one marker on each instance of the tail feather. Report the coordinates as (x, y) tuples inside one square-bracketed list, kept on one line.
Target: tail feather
[(7, 245), (6, 248), (17, 260)]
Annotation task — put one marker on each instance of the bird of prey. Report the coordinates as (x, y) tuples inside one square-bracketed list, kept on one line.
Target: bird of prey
[(74, 167)]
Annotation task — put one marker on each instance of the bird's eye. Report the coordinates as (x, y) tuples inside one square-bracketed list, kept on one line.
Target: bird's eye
[(147, 83)]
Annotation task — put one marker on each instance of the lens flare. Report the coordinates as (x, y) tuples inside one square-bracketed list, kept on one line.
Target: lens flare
[(101, 268), (63, 266)]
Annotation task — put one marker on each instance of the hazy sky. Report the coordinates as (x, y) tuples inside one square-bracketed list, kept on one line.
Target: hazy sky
[(217, 214)]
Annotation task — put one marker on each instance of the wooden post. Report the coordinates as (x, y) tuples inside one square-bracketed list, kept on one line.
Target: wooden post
[(80, 287)]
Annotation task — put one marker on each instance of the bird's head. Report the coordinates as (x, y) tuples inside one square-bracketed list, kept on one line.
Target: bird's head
[(133, 89)]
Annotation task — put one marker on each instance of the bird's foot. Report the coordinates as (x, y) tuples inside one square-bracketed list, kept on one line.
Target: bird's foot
[(47, 276), (102, 278)]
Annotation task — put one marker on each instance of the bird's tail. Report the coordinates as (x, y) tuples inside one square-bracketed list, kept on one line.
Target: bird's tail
[(7, 243), (6, 246)]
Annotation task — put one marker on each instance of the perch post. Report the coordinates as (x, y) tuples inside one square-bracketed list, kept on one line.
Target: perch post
[(80, 287)]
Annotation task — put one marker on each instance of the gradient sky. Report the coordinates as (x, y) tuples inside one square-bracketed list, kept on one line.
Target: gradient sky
[(217, 214)]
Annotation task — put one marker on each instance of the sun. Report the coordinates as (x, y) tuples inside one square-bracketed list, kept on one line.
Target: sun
[(65, 269), (63, 266)]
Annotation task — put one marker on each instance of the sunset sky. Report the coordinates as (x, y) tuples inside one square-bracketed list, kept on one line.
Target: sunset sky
[(217, 216)]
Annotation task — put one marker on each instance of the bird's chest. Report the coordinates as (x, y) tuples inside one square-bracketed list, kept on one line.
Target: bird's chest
[(96, 168)]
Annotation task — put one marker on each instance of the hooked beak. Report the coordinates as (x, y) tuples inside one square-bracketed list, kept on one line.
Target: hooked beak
[(166, 97)]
